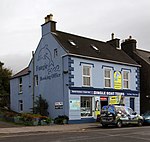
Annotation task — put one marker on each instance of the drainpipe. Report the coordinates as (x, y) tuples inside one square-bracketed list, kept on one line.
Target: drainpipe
[(33, 83)]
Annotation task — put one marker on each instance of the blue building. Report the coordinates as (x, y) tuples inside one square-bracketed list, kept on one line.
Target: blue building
[(76, 75)]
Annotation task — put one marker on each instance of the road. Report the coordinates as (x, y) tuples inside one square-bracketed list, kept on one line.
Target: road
[(126, 134)]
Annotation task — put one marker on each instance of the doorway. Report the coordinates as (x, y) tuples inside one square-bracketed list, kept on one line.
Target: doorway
[(104, 101)]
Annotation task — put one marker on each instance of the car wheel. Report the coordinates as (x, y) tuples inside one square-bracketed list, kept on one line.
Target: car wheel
[(119, 124), (140, 123), (104, 125)]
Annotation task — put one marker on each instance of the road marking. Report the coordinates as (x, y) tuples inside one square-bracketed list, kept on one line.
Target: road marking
[(135, 137)]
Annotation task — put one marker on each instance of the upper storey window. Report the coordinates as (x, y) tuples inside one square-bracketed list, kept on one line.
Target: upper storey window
[(107, 78), (126, 79), (20, 85), (86, 75)]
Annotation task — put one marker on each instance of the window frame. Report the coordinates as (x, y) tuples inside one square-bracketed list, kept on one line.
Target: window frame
[(20, 85), (88, 76), (86, 102), (20, 105), (55, 52), (107, 78), (126, 80)]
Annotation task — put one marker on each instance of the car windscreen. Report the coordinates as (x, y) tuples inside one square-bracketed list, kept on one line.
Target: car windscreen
[(120, 109), (146, 113), (110, 109)]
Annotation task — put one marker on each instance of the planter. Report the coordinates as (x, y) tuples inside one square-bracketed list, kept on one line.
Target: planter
[(36, 121), (18, 120), (43, 122), (65, 121)]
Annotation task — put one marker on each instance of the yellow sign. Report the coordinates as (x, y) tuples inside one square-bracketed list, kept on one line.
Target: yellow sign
[(116, 100), (117, 80)]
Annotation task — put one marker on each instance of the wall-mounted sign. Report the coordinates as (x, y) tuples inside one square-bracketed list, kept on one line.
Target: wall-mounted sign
[(74, 104), (106, 93), (117, 80), (58, 105), (103, 98), (116, 99)]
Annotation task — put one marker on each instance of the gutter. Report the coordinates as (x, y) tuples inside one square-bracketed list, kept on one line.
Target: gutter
[(100, 59)]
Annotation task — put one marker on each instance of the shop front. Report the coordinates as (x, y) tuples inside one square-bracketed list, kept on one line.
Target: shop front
[(85, 105)]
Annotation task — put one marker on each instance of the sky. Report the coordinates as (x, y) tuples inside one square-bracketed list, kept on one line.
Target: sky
[(21, 20)]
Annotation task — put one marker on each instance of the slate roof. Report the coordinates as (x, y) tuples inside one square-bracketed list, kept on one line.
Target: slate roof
[(21, 73), (145, 55), (83, 47)]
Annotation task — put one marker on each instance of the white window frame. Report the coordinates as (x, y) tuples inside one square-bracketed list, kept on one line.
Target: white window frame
[(20, 85), (127, 80), (91, 107), (88, 76), (108, 78)]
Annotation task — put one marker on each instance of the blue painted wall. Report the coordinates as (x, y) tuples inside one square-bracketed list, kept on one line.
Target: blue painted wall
[(25, 96), (57, 72), (97, 79)]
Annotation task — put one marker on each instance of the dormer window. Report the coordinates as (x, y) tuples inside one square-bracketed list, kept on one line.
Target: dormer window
[(94, 47), (72, 42)]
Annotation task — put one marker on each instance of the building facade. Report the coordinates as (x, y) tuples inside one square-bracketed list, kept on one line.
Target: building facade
[(142, 58), (76, 75)]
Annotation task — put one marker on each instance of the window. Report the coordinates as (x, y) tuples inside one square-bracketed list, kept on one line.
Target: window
[(132, 100), (20, 85), (72, 42), (36, 80), (20, 105), (86, 106), (55, 53), (107, 78), (94, 47), (86, 74), (126, 79)]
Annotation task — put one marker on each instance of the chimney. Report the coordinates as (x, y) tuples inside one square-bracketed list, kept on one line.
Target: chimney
[(49, 25), (129, 45), (49, 18), (114, 41)]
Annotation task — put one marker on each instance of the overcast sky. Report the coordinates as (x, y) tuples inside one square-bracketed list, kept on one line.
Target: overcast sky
[(21, 20)]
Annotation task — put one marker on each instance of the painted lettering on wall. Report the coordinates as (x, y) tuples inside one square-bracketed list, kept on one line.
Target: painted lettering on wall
[(46, 65)]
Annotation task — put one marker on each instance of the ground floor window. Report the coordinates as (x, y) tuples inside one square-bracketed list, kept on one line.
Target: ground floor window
[(20, 105), (86, 106)]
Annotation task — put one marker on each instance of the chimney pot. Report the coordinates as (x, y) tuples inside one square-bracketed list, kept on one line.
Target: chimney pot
[(130, 37), (49, 18), (112, 36)]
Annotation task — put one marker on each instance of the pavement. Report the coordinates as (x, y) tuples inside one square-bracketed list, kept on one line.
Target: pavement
[(50, 128)]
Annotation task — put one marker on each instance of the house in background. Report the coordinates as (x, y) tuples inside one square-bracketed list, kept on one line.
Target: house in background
[(76, 75), (142, 58)]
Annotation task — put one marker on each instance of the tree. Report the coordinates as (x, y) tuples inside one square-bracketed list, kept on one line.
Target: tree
[(5, 75), (41, 106)]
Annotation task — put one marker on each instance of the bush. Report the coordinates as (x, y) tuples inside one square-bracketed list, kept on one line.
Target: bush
[(61, 119), (41, 106)]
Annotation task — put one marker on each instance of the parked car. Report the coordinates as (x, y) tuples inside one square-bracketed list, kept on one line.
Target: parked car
[(146, 117), (119, 115)]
